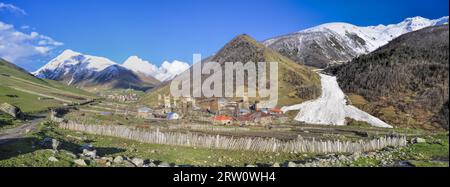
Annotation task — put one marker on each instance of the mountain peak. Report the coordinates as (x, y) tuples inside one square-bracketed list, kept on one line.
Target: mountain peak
[(71, 60), (139, 65), (242, 48), (415, 18), (133, 59), (163, 73), (244, 38), (69, 53), (334, 26)]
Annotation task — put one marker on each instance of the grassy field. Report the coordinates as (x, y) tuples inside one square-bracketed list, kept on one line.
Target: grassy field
[(433, 153), (32, 94), (6, 121), (27, 152), (27, 102)]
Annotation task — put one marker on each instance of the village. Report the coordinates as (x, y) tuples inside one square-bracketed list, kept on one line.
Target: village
[(219, 111)]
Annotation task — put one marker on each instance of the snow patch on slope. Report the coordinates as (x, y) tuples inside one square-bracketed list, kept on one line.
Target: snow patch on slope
[(331, 108)]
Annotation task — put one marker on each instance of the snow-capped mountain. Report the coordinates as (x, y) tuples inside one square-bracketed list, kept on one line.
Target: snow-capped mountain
[(340, 42), (92, 72), (70, 64), (165, 72)]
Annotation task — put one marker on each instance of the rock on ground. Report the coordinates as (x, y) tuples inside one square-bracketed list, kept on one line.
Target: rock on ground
[(11, 110), (80, 162), (164, 164), (55, 144), (137, 162), (118, 159), (419, 140), (53, 159)]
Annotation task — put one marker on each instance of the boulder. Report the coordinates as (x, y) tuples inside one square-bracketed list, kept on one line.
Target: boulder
[(291, 164), (128, 163), (90, 154), (164, 164), (419, 140), (80, 162), (53, 159), (137, 162), (118, 160), (109, 159), (276, 164), (55, 144), (101, 162), (11, 110)]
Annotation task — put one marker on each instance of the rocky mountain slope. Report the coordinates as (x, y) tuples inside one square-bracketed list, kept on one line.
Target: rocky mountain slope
[(404, 83), (296, 82), (93, 73), (333, 43)]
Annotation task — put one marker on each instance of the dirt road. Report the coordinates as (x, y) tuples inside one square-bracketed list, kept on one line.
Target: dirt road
[(21, 130)]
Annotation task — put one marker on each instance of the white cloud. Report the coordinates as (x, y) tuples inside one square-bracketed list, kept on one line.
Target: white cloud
[(12, 8), (20, 47)]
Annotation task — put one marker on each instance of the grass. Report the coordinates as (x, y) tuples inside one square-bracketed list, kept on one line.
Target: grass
[(365, 162), (355, 123), (22, 89), (434, 153), (6, 121), (27, 152), (28, 103), (436, 148), (98, 119), (429, 163), (22, 152)]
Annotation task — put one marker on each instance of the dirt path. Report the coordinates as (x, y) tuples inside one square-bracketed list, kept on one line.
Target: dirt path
[(22, 130), (42, 95)]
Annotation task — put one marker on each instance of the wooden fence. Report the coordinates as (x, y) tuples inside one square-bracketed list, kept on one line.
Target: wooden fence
[(299, 145)]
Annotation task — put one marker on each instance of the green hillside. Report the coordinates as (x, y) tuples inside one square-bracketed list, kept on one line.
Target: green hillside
[(32, 94)]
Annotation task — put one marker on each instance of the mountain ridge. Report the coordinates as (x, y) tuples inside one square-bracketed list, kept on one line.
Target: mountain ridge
[(404, 82), (338, 42), (93, 72)]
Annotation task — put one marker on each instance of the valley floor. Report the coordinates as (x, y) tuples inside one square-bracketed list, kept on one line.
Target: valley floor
[(24, 146), (30, 151)]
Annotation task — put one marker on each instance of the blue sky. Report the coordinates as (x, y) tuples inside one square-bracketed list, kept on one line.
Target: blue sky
[(159, 30)]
